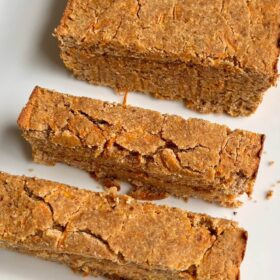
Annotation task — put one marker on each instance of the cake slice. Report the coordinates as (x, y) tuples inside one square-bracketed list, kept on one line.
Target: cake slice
[(215, 56), (163, 153), (116, 236)]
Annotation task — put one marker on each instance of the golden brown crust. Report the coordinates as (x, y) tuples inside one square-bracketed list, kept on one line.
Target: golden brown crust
[(218, 56), (107, 234), (168, 153), (25, 115)]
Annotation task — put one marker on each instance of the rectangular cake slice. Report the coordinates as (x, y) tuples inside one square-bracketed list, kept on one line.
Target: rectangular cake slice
[(165, 153), (215, 56), (115, 236)]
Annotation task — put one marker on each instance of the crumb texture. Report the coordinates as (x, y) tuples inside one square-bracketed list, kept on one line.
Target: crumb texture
[(181, 157), (115, 236), (216, 57), (269, 194)]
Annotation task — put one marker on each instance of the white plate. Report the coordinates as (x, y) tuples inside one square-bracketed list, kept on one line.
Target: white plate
[(29, 57)]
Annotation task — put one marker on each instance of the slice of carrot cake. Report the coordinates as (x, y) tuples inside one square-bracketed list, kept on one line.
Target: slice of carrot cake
[(116, 236), (166, 153)]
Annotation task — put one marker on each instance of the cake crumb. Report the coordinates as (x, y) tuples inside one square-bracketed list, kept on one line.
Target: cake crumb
[(125, 98), (234, 213), (112, 190), (264, 152), (109, 183), (128, 200), (106, 182), (269, 194), (30, 169), (272, 162), (147, 193)]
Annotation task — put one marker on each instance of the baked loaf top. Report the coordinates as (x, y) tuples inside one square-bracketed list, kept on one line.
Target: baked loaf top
[(236, 33), (43, 215)]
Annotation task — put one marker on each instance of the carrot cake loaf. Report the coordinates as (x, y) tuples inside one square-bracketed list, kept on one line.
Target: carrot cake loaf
[(215, 56)]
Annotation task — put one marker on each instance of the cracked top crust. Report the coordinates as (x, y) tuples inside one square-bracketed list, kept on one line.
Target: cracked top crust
[(42, 215), (241, 34)]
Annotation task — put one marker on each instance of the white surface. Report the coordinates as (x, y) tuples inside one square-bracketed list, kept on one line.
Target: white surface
[(29, 57)]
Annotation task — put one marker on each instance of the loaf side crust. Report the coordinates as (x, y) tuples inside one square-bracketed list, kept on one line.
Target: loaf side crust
[(201, 88)]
